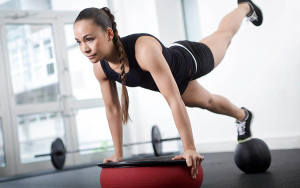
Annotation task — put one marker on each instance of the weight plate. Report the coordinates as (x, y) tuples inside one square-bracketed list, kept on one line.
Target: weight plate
[(156, 141), (58, 153)]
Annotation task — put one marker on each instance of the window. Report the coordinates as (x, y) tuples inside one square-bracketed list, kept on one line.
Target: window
[(2, 150), (50, 69)]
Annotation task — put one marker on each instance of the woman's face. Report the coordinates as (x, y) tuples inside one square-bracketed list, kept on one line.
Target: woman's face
[(92, 40)]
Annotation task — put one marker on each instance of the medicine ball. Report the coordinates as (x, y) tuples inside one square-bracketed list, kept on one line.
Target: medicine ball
[(252, 156)]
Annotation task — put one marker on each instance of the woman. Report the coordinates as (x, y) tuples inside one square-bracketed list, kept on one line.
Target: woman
[(142, 60)]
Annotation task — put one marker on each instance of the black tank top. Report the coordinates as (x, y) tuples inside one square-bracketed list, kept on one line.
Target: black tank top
[(178, 59)]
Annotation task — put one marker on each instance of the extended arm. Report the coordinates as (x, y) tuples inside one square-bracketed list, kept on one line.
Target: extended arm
[(112, 108), (150, 57)]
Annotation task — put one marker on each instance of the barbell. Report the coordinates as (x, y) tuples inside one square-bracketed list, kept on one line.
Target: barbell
[(58, 149)]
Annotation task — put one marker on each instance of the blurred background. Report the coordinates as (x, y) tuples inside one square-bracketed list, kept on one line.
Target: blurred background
[(48, 88)]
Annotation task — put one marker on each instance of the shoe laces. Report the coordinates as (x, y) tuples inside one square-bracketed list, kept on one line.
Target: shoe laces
[(253, 17), (241, 126)]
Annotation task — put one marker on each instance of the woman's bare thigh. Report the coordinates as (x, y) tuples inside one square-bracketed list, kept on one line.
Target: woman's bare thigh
[(218, 43), (196, 95)]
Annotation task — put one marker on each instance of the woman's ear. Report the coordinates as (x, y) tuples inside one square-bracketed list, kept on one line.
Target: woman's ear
[(110, 34)]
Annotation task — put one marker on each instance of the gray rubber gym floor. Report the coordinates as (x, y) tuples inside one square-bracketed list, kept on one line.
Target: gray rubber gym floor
[(219, 171)]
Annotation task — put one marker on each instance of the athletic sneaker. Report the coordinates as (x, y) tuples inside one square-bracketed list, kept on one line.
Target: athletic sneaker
[(243, 127), (255, 15)]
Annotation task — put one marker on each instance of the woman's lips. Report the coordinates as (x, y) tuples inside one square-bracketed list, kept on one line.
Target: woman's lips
[(92, 56)]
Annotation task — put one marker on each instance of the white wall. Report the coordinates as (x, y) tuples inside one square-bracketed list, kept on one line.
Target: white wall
[(260, 72), (191, 15), (134, 16), (66, 5), (170, 21)]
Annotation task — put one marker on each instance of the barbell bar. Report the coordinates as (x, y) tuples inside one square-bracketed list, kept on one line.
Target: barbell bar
[(58, 150), (89, 149)]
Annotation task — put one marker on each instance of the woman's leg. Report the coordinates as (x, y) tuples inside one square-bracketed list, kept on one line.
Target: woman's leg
[(219, 41), (196, 95)]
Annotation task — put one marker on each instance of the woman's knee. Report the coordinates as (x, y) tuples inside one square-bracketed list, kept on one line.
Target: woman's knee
[(209, 104), (196, 96), (204, 102), (201, 105)]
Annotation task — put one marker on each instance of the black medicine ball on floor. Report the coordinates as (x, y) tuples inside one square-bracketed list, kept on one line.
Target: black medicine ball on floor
[(252, 156)]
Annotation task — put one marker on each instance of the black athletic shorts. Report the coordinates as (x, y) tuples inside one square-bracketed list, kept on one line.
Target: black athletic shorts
[(204, 58)]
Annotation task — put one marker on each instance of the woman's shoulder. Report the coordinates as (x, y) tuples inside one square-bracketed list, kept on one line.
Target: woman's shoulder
[(136, 35), (132, 38), (140, 38)]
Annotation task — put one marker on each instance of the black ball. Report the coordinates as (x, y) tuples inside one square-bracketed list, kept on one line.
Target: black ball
[(252, 156)]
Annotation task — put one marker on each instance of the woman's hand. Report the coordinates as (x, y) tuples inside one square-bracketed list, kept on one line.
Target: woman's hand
[(114, 158), (193, 159)]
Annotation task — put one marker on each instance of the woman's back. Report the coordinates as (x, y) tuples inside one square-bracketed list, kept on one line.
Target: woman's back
[(179, 61)]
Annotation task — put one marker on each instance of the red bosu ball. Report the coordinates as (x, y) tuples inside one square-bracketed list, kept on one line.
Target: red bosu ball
[(149, 173)]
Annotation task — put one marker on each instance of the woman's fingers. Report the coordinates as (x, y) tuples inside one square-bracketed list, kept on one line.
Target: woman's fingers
[(193, 160), (177, 157), (198, 164), (189, 161), (195, 164), (109, 160)]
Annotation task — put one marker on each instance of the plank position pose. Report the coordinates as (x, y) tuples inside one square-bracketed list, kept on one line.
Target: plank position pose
[(142, 60)]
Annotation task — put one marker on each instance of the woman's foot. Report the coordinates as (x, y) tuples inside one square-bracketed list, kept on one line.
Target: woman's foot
[(243, 127), (255, 15)]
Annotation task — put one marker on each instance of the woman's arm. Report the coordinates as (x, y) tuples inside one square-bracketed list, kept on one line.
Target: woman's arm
[(112, 108), (183, 124), (116, 130), (149, 56)]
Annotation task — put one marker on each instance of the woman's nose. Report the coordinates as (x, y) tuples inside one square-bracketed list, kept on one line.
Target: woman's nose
[(86, 49)]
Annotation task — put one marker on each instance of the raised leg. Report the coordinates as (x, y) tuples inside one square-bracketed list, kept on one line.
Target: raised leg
[(219, 41)]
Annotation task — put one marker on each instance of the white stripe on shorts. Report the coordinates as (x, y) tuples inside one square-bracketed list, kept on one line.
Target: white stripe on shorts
[(176, 44)]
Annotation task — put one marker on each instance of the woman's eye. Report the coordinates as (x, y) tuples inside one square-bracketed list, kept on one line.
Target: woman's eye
[(77, 42), (89, 39)]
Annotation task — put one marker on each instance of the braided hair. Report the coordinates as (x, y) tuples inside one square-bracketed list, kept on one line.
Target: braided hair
[(104, 19)]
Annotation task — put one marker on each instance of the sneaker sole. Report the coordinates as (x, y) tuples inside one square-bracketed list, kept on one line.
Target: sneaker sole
[(249, 138), (262, 18)]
